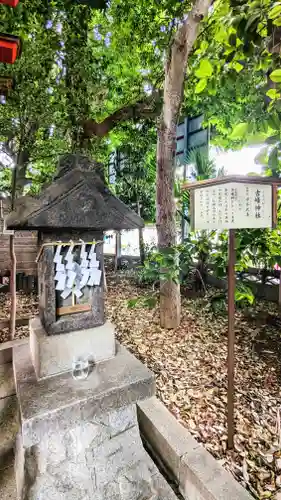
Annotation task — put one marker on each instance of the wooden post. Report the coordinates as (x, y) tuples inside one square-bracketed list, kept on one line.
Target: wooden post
[(274, 224), (183, 221), (118, 250), (141, 238), (274, 205), (231, 338), (13, 273), (279, 289)]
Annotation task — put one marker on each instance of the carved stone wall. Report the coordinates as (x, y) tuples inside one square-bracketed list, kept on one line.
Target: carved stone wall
[(79, 439), (102, 459)]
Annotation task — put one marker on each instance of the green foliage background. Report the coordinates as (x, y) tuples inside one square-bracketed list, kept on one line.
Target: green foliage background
[(80, 63)]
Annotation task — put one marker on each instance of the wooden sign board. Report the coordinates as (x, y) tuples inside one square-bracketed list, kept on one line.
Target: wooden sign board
[(227, 204), (232, 205), (77, 308)]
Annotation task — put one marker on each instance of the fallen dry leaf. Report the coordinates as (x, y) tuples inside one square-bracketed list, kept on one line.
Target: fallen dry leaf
[(189, 364), (190, 368), (27, 305)]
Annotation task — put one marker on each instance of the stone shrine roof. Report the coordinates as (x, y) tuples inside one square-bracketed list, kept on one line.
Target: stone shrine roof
[(78, 198)]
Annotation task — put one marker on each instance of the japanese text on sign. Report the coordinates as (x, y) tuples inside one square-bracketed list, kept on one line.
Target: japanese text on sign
[(232, 205)]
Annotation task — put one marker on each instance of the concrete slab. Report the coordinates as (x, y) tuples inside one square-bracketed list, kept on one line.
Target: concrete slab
[(199, 475), (163, 433), (8, 430), (53, 354), (205, 478)]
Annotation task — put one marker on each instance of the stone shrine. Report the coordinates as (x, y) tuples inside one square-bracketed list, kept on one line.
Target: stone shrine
[(79, 438)]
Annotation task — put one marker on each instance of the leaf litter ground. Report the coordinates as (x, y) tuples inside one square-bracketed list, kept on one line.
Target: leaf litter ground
[(190, 368), (27, 305)]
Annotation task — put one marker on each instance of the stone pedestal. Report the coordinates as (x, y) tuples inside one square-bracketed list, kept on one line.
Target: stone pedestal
[(53, 354), (80, 440)]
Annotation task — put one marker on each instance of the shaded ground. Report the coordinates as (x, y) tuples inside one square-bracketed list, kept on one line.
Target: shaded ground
[(190, 368), (27, 305)]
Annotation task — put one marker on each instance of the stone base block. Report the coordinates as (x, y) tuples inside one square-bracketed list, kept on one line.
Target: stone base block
[(80, 440), (53, 354)]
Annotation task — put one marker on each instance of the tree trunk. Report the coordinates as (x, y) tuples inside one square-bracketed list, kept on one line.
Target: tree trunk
[(166, 223), (175, 71)]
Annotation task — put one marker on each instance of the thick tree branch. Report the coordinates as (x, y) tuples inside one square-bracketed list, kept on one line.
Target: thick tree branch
[(151, 107), (146, 108)]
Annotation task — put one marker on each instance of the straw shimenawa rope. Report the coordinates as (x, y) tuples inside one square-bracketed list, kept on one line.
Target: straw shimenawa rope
[(65, 244)]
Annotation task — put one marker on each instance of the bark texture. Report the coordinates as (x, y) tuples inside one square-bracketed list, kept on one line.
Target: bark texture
[(175, 71)]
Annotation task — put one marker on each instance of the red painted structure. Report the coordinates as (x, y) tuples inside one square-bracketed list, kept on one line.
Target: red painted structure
[(11, 3), (10, 48)]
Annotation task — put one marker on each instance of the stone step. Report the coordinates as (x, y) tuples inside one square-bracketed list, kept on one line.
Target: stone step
[(8, 415), (8, 430)]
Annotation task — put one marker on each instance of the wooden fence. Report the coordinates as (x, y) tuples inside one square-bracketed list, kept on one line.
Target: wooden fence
[(25, 247), (26, 251)]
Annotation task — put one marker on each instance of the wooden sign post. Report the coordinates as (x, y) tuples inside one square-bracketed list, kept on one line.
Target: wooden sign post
[(231, 337), (229, 203)]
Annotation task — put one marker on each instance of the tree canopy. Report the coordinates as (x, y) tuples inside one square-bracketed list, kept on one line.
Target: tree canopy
[(90, 79), (85, 75)]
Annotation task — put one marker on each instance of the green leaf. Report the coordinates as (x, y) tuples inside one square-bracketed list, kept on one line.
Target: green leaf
[(274, 121), (252, 21), (221, 35), (201, 85), (132, 303), (272, 139), (237, 66), (204, 45), (277, 22), (262, 30), (261, 158), (275, 12), (273, 94), (239, 131), (273, 159), (150, 302), (205, 69), (275, 76)]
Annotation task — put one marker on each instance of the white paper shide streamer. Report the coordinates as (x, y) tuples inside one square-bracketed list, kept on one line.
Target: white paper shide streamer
[(73, 277)]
